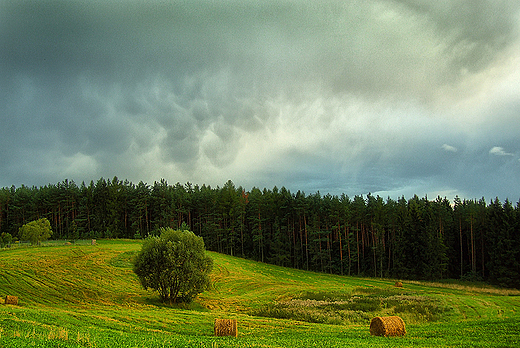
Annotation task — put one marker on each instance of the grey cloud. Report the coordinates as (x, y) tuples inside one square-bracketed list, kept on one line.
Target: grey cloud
[(474, 31), (368, 47), (187, 87)]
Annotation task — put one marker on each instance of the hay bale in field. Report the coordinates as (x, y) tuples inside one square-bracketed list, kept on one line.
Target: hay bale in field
[(11, 300), (398, 285), (387, 326), (226, 327)]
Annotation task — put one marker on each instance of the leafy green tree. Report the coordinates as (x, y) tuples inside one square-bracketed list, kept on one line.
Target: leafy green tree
[(174, 264), (5, 239), (36, 231)]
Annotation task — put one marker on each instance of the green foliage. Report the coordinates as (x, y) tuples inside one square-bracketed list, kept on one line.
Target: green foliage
[(5, 239), (174, 264), (416, 238), (36, 231)]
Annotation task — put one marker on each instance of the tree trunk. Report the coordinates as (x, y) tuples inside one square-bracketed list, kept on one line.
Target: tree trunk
[(347, 238), (473, 258), (357, 245), (306, 243), (340, 248), (461, 249)]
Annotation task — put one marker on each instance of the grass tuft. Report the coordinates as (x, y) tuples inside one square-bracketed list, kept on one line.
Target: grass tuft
[(344, 309)]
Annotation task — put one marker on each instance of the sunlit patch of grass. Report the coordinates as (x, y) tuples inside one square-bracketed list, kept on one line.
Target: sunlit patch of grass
[(473, 287)]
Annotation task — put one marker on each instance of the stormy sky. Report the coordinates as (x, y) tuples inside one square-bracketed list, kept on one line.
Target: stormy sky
[(392, 97)]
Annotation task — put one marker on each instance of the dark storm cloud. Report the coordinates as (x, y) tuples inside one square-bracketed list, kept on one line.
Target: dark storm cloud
[(333, 96)]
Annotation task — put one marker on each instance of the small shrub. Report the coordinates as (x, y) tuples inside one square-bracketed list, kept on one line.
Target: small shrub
[(5, 239)]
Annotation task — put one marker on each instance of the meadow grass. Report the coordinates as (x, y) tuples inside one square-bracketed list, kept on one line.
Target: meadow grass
[(88, 296)]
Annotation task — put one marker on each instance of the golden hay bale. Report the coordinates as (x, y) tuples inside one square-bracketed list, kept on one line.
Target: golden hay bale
[(387, 326), (12, 300), (226, 327), (398, 285)]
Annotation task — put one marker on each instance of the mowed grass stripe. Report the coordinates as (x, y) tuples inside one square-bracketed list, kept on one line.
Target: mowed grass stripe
[(67, 275)]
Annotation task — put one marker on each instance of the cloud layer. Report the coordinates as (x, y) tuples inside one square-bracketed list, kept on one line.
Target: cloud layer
[(389, 97)]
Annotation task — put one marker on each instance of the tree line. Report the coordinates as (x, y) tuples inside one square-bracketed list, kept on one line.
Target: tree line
[(413, 238)]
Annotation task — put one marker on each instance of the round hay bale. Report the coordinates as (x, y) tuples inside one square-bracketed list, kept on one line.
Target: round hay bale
[(387, 326), (226, 327), (398, 285), (11, 300)]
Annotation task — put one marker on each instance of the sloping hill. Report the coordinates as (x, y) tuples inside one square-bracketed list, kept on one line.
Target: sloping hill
[(88, 296), (71, 275)]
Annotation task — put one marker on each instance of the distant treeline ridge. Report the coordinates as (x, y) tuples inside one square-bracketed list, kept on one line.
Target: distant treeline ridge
[(367, 235)]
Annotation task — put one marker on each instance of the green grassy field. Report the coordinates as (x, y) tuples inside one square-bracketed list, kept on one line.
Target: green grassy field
[(88, 296)]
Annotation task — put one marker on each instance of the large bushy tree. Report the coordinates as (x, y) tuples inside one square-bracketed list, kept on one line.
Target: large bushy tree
[(174, 264)]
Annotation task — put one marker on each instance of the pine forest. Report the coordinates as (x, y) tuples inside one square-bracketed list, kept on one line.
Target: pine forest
[(365, 235)]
